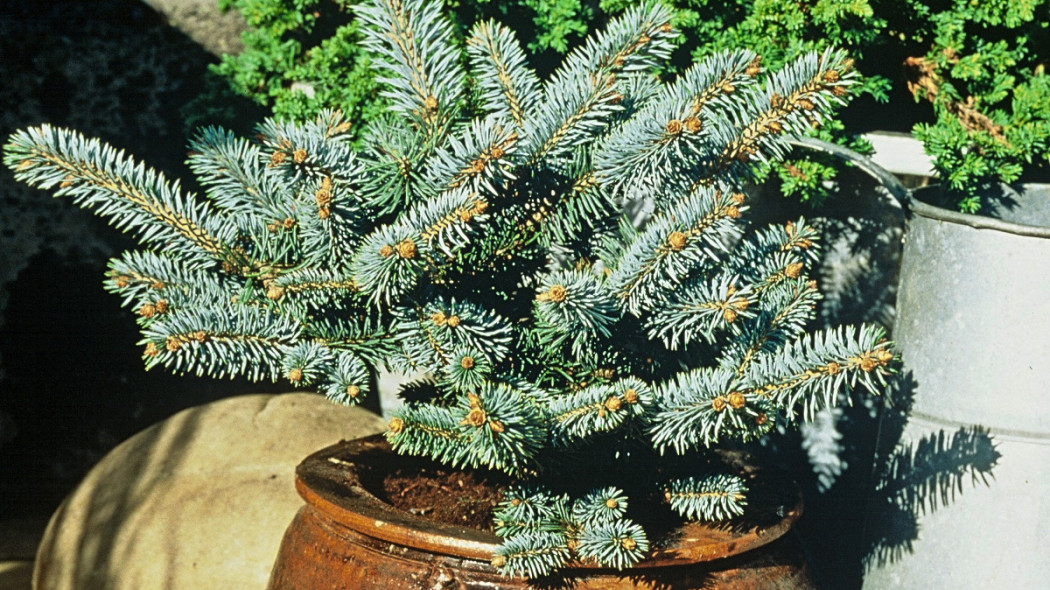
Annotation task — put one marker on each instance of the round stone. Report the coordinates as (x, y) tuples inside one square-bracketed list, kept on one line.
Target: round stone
[(200, 500)]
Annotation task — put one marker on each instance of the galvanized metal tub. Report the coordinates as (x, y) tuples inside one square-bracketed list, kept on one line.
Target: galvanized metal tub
[(961, 494), (973, 330)]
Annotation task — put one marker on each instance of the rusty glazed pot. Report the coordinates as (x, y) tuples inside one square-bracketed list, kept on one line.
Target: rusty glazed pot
[(346, 538)]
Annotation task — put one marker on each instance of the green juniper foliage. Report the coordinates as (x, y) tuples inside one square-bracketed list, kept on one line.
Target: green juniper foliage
[(984, 74), (584, 354)]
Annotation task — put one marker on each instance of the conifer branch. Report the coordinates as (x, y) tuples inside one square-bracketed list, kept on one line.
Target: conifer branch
[(221, 342), (808, 374), (686, 240), (424, 80), (639, 159), (713, 498), (232, 169), (582, 95), (795, 100), (98, 177), (508, 87)]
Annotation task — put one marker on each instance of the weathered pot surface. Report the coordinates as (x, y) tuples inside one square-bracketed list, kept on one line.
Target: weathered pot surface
[(346, 537)]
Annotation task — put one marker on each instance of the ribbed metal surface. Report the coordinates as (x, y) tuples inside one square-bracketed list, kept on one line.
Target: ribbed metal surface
[(973, 330)]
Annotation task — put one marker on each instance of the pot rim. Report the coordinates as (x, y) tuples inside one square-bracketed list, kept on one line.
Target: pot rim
[(907, 199), (323, 481), (936, 213)]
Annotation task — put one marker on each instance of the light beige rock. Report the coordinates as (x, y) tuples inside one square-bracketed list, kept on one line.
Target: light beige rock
[(201, 20), (199, 501)]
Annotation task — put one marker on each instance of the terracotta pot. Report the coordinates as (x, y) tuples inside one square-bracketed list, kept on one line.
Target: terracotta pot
[(346, 537)]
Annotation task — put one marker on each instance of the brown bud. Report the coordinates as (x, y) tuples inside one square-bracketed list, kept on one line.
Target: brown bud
[(157, 285), (299, 156), (352, 391), (775, 100), (775, 127), (172, 344), (761, 418), (833, 368), (740, 303), (732, 212), (794, 270), (453, 321), (673, 127), (868, 364), (806, 104), (406, 249), (628, 543), (431, 104), (480, 207), (557, 293), (323, 197), (677, 240), (612, 504), (199, 336), (831, 76), (278, 158), (275, 292), (718, 404), (755, 67), (728, 88), (738, 198), (737, 400), (148, 310), (693, 125), (883, 356), (666, 28), (613, 404), (630, 396), (386, 251), (467, 363), (465, 215), (151, 350), (498, 561), (729, 315), (121, 281), (439, 318), (396, 425), (497, 427), (839, 91), (496, 153), (476, 418), (295, 375)]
